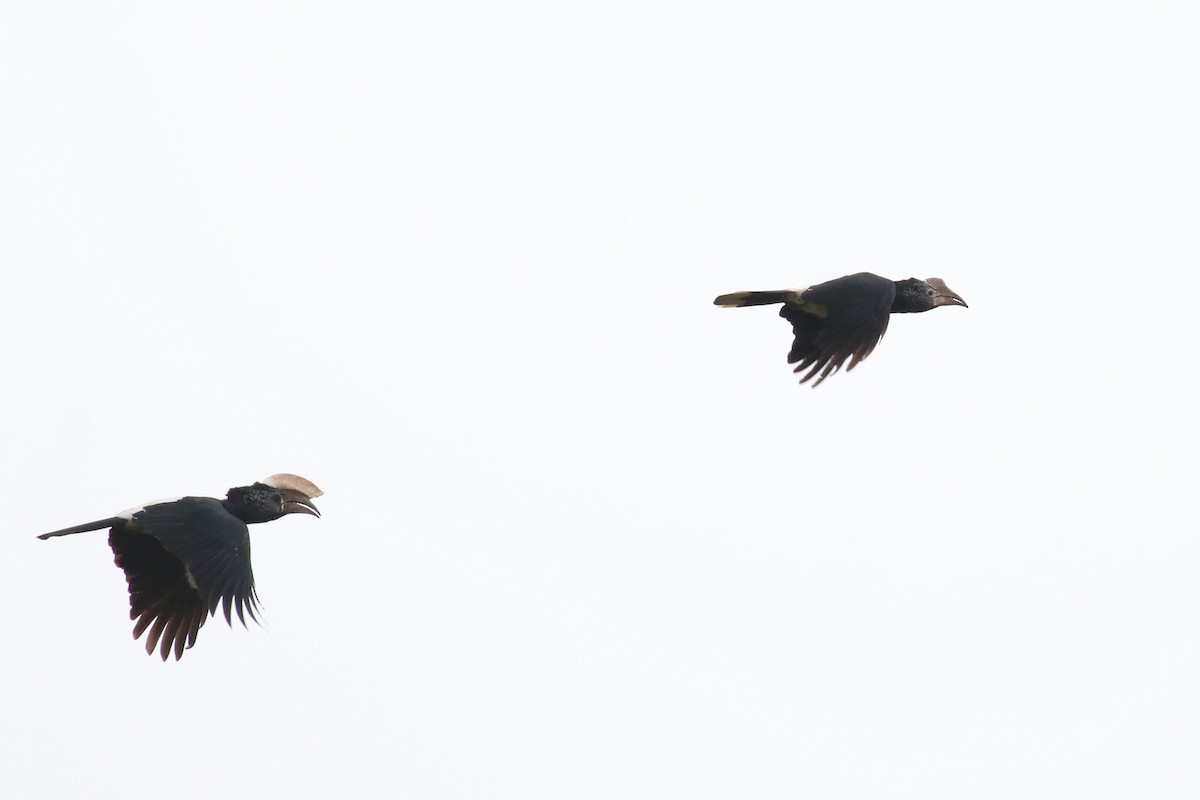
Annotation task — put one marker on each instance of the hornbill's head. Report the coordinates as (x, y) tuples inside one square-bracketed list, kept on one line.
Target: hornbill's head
[(273, 497), (297, 493), (915, 295)]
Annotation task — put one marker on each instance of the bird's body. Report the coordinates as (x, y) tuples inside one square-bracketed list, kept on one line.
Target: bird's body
[(844, 319), (183, 558)]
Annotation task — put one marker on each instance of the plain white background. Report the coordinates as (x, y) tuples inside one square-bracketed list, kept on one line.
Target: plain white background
[(583, 535)]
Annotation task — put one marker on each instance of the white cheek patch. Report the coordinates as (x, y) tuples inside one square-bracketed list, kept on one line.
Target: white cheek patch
[(130, 513)]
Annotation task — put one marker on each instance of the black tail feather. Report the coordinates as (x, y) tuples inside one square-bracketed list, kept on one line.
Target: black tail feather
[(738, 299), (98, 525)]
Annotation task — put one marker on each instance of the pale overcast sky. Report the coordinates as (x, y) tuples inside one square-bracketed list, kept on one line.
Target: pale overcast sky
[(583, 534)]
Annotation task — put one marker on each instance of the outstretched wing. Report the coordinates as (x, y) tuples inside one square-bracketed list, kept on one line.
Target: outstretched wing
[(181, 560), (837, 321)]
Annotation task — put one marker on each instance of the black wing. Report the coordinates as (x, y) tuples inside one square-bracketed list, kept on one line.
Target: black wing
[(181, 560), (838, 320)]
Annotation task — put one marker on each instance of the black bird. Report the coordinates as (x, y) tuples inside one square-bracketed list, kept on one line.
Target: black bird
[(182, 558), (844, 318)]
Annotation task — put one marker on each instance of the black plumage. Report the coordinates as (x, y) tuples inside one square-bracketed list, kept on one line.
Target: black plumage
[(842, 320), (184, 558)]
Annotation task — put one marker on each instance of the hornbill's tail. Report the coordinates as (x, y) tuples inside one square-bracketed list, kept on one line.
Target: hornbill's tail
[(756, 298), (87, 526)]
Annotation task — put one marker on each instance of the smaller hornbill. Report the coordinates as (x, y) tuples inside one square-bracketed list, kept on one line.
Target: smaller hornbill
[(844, 318), (182, 558)]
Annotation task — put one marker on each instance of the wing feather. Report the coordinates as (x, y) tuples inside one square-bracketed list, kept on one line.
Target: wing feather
[(182, 560), (856, 313)]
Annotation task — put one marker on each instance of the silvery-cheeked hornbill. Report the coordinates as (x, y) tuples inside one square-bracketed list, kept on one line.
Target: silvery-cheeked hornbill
[(182, 558), (844, 318)]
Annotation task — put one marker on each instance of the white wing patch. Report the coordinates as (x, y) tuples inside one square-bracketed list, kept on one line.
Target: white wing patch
[(129, 513)]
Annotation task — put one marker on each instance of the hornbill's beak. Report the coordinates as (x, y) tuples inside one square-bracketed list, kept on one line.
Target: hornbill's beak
[(295, 502), (945, 297), (296, 493)]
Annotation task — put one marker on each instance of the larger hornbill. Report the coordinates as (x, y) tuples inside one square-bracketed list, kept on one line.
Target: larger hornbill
[(182, 558), (844, 318)]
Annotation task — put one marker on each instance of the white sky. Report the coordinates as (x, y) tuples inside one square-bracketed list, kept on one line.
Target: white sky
[(584, 537)]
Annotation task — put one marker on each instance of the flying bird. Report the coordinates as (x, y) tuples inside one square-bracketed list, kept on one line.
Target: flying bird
[(844, 318), (182, 558)]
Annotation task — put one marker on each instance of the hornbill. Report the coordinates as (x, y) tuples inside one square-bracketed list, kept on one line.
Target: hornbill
[(844, 318), (182, 558)]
